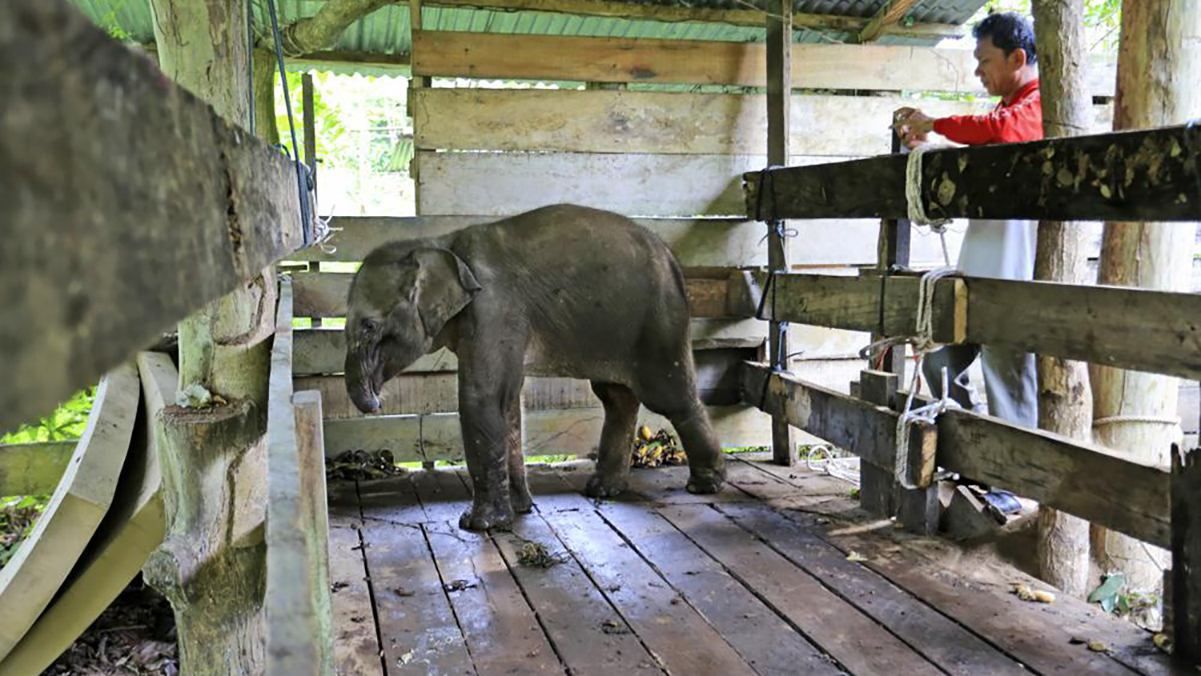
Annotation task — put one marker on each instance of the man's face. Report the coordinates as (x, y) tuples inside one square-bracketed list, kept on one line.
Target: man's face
[(999, 73)]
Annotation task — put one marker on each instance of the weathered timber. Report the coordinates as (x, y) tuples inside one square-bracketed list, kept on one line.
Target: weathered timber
[(356, 643), (1131, 176), (131, 529), (818, 66), (657, 122), (635, 184), (43, 560), (735, 17), (1130, 328), (157, 242), (694, 241), (733, 294), (33, 469), (1078, 478), (1186, 554), (297, 602)]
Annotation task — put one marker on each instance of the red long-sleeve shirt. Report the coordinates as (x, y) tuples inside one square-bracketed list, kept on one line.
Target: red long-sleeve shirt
[(1019, 120)]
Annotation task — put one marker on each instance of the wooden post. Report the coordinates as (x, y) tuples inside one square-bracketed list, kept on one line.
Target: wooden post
[(879, 492), (779, 90), (1064, 400), (916, 509), (310, 149), (1185, 582), (1159, 62)]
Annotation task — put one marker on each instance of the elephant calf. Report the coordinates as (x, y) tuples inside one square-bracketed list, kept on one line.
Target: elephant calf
[(559, 291)]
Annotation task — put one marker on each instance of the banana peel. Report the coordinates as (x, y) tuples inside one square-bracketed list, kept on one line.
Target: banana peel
[(656, 449)]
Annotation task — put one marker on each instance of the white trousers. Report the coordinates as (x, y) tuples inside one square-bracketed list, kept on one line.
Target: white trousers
[(1005, 250)]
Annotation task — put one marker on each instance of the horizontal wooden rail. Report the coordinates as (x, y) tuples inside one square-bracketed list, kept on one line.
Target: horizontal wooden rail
[(590, 59), (109, 238), (720, 292), (1149, 175), (1082, 479), (1136, 329)]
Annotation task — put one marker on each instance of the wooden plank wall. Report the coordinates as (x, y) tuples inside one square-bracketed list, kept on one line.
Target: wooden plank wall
[(673, 160)]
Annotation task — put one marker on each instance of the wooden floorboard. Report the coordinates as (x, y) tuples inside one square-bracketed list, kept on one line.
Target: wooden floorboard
[(752, 580), (855, 640), (572, 611), (947, 644), (1045, 638), (418, 628), (673, 631), (356, 646)]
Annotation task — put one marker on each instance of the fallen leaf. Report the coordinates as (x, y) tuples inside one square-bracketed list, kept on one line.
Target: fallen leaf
[(856, 556), (1098, 646), (613, 627), (401, 591), (1163, 642)]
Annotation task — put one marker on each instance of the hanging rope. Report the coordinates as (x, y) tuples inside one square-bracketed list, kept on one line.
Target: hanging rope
[(915, 207), (313, 229)]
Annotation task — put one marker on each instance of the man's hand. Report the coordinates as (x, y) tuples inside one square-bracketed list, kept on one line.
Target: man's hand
[(912, 126)]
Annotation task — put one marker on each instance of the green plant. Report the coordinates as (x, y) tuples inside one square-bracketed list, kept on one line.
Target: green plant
[(67, 422), (17, 517)]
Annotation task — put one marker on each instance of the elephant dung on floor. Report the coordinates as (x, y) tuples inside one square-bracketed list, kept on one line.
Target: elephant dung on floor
[(562, 290)]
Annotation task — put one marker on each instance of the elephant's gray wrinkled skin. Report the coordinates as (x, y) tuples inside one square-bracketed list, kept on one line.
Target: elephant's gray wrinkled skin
[(559, 291)]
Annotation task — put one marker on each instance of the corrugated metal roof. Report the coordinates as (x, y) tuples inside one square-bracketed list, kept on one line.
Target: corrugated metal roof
[(386, 31)]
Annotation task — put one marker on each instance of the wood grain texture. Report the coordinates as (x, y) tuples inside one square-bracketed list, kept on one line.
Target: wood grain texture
[(638, 185), (818, 66), (1081, 479), (656, 122), (156, 242), (1122, 176), (43, 560)]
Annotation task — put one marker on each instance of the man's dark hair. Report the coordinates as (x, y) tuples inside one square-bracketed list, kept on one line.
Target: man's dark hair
[(1009, 31)]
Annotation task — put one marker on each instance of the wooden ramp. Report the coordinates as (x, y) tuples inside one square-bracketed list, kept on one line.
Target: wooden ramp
[(778, 574)]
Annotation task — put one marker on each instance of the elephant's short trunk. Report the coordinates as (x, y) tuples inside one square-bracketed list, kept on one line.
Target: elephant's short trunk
[(360, 386)]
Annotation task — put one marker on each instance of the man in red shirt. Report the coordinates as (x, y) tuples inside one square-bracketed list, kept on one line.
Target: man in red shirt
[(1006, 59)]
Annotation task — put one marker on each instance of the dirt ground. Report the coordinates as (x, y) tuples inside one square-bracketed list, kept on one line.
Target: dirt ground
[(135, 635)]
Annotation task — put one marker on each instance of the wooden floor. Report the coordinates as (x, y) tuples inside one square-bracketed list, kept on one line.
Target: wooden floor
[(778, 574)]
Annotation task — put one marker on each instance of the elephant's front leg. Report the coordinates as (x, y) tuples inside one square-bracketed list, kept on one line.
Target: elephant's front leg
[(486, 414)]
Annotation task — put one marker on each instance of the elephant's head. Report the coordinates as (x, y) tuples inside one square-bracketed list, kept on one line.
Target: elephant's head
[(399, 301)]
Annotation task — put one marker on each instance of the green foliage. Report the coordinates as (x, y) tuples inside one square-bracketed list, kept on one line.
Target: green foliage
[(1102, 19), (66, 422), (17, 517), (1114, 597)]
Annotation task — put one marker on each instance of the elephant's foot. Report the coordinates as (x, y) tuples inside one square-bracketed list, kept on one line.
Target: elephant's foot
[(705, 481), (605, 486), (488, 516), (521, 500)]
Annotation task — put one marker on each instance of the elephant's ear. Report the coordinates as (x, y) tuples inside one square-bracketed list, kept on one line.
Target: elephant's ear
[(445, 285)]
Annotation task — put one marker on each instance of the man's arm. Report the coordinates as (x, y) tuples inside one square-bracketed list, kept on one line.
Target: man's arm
[(1022, 122)]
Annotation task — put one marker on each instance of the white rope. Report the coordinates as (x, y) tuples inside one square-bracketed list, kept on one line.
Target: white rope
[(1149, 419), (913, 188), (842, 468), (926, 414)]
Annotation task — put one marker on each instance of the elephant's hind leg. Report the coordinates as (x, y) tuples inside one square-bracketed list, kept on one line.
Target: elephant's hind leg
[(673, 395), (617, 436)]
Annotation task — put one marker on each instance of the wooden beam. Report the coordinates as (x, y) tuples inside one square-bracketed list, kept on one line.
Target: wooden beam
[(111, 241), (1121, 176), (1129, 328), (734, 294), (297, 601), (1079, 478), (734, 17), (888, 16), (1185, 575), (587, 59), (33, 469)]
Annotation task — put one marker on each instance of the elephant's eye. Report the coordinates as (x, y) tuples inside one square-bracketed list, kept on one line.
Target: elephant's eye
[(368, 325)]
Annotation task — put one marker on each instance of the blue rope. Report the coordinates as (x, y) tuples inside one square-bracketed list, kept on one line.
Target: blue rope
[(302, 174)]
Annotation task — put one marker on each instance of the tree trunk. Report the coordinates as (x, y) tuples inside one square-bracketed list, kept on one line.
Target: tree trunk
[(1159, 62), (211, 564), (1064, 401)]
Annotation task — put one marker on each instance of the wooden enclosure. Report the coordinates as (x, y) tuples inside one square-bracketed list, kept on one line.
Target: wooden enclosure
[(640, 146)]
